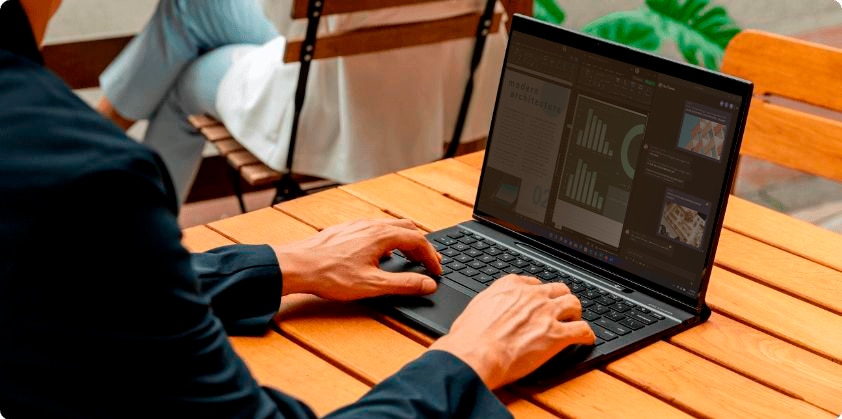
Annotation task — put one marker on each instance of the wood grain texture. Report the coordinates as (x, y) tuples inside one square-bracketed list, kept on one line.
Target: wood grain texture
[(575, 399), (80, 63), (279, 363), (789, 137), (704, 388), (473, 159), (792, 68), (331, 7), (450, 177), (781, 270), (383, 38), (776, 313), (785, 232), (769, 360), (786, 66), (200, 238), (330, 207), (346, 334), (404, 198), (266, 225)]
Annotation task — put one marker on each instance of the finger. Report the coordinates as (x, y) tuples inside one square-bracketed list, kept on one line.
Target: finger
[(569, 308), (398, 222), (404, 283), (557, 289), (578, 332), (415, 246)]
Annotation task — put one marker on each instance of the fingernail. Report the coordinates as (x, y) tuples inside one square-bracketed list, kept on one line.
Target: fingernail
[(428, 285)]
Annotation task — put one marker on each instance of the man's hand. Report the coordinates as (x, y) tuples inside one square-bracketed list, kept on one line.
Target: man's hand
[(514, 326), (342, 262)]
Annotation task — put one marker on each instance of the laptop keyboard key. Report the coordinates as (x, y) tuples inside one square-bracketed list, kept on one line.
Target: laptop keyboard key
[(490, 271), (613, 327), (456, 266), (473, 253), (622, 307), (484, 278), (463, 258), (589, 315), (631, 324), (641, 317), (603, 334), (476, 264), (466, 281)]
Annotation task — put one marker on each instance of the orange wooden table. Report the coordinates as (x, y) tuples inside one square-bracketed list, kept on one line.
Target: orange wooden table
[(772, 348)]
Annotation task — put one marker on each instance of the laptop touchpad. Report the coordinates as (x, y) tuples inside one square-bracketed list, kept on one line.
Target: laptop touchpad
[(437, 311)]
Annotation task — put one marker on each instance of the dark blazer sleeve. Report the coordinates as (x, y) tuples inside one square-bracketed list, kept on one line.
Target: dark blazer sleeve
[(243, 283), (436, 385)]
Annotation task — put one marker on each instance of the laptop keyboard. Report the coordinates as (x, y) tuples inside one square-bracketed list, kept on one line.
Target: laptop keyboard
[(475, 263)]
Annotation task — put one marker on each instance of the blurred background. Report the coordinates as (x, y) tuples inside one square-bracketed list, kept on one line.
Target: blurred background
[(651, 25)]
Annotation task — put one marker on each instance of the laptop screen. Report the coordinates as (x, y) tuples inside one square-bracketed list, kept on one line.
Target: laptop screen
[(617, 157)]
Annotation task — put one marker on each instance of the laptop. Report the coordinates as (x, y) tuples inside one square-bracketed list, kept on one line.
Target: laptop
[(606, 168)]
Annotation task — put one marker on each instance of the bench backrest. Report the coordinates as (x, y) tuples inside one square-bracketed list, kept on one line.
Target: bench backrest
[(795, 118), (382, 38)]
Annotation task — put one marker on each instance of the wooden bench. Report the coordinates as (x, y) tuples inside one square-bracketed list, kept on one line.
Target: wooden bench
[(250, 169), (795, 118)]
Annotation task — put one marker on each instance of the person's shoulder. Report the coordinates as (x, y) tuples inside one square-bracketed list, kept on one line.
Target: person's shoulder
[(50, 136)]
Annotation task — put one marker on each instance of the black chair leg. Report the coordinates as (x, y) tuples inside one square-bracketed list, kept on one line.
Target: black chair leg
[(238, 190), (287, 188)]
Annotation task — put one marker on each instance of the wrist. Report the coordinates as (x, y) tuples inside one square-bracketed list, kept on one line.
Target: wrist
[(292, 271), (484, 363)]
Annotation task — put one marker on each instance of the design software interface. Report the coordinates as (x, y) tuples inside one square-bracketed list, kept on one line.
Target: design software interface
[(609, 159)]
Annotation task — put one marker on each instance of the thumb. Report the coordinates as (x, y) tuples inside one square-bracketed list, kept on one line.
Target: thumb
[(407, 283)]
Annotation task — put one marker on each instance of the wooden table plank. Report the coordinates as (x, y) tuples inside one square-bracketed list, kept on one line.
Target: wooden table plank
[(404, 198), (266, 225), (793, 320), (200, 238), (783, 231), (769, 360), (454, 179), (301, 374), (704, 388), (472, 159), (780, 269), (333, 206), (347, 334), (279, 363), (575, 399)]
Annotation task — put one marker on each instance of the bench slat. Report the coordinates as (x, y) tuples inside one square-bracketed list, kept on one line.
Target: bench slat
[(383, 38)]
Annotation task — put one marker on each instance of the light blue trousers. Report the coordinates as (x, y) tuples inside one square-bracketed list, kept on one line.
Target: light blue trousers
[(173, 68)]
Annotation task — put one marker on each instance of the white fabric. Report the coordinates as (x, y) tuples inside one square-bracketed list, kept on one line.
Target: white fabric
[(364, 115)]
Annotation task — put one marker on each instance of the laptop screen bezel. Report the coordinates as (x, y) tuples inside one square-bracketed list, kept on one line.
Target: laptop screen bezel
[(695, 74)]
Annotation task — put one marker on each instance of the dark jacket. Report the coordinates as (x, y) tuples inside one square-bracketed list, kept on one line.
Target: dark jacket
[(103, 313)]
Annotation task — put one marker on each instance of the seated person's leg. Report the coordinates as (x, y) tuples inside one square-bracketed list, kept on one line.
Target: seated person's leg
[(139, 79), (194, 92)]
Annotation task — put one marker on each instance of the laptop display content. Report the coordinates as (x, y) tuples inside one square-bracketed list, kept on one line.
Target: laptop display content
[(607, 169)]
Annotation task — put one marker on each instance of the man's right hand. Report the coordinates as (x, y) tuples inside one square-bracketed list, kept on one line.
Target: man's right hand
[(515, 326)]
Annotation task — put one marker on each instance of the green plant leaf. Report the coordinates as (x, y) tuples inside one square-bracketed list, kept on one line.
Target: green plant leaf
[(699, 30), (549, 11), (632, 28)]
